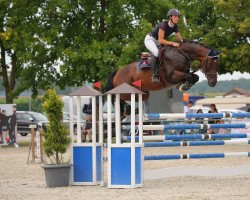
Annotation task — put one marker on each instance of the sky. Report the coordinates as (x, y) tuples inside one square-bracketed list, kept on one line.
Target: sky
[(228, 76)]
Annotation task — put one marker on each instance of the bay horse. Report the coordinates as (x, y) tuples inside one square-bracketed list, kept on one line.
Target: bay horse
[(174, 69)]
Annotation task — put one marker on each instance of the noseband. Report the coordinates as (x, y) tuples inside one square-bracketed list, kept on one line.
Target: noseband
[(206, 67)]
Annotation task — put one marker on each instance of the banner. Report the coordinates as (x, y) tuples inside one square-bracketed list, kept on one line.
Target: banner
[(8, 124)]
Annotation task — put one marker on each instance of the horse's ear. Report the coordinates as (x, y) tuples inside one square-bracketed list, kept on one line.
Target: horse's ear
[(214, 53)]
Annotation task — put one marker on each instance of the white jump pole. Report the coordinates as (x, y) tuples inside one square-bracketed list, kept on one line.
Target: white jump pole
[(94, 137), (100, 120), (118, 118), (101, 132), (132, 140), (71, 112), (78, 107), (71, 129), (109, 129), (141, 135), (109, 123)]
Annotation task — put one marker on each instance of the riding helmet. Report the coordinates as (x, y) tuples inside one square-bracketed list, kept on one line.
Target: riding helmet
[(174, 12)]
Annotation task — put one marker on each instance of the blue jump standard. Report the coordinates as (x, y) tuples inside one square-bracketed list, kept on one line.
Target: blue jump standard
[(202, 115), (193, 156), (195, 136), (188, 143)]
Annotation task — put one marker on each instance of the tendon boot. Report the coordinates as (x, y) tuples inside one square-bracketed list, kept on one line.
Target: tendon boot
[(154, 64)]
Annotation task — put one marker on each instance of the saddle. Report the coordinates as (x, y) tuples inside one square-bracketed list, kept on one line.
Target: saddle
[(144, 63)]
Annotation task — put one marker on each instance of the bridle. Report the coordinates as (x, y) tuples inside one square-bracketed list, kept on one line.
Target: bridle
[(204, 71), (206, 67)]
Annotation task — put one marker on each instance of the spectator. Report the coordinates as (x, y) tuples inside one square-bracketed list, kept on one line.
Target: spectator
[(127, 114), (187, 108), (5, 119), (87, 131), (127, 119), (199, 120), (12, 127), (1, 123), (213, 120), (213, 110)]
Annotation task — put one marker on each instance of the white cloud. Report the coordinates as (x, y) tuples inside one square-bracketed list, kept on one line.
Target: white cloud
[(227, 76)]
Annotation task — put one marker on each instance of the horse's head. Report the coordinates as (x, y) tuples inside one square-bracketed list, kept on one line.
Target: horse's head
[(208, 59), (209, 66)]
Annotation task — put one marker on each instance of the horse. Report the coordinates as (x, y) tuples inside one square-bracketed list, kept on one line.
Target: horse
[(174, 69)]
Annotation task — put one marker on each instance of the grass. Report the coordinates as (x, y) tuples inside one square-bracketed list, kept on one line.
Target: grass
[(23, 103)]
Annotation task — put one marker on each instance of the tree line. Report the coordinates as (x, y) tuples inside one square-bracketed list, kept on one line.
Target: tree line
[(198, 88), (221, 87), (66, 43)]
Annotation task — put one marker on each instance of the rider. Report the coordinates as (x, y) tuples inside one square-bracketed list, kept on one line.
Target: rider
[(158, 35)]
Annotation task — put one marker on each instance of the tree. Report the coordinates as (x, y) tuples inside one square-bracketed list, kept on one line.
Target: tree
[(96, 37), (23, 54), (72, 41), (224, 25)]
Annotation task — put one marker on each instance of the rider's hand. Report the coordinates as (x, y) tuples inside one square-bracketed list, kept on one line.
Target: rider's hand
[(175, 44)]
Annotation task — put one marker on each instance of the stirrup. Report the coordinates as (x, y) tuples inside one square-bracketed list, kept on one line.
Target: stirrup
[(155, 78)]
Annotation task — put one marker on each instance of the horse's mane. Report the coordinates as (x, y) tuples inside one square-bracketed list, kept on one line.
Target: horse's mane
[(193, 42), (186, 42)]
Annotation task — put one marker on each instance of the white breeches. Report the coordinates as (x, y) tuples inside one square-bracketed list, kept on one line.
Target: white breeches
[(151, 44)]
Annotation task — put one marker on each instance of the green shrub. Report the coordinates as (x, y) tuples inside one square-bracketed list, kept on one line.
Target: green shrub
[(56, 135)]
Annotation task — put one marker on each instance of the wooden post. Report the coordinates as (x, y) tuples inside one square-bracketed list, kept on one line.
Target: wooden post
[(41, 143), (33, 145)]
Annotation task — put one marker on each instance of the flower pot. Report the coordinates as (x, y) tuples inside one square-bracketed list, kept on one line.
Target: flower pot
[(57, 175)]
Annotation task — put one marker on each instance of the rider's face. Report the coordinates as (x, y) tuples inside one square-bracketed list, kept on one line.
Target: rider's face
[(175, 18)]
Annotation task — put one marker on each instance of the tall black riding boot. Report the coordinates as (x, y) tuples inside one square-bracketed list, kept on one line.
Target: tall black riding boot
[(154, 64)]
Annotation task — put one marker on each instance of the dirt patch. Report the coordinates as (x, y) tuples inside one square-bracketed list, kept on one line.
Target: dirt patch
[(21, 181)]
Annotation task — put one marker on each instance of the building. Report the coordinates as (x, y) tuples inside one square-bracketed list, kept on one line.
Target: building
[(236, 98), (165, 101), (237, 92)]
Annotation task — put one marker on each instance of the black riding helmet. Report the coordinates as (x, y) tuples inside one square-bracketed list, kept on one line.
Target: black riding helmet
[(174, 12)]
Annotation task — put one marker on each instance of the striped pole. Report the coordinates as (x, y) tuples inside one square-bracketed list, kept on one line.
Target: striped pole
[(196, 156), (197, 143), (152, 116), (189, 126), (190, 137)]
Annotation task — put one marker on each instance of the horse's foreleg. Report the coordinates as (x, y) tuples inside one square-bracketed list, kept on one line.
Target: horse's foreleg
[(185, 80)]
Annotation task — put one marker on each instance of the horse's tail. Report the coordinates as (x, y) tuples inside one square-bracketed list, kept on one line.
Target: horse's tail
[(109, 83)]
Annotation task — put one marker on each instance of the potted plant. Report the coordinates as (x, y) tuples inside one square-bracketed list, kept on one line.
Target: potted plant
[(56, 141)]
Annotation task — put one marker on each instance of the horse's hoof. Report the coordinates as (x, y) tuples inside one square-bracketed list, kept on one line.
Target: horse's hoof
[(184, 87)]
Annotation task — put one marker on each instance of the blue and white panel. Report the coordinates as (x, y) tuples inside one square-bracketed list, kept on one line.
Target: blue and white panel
[(120, 159), (83, 172)]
